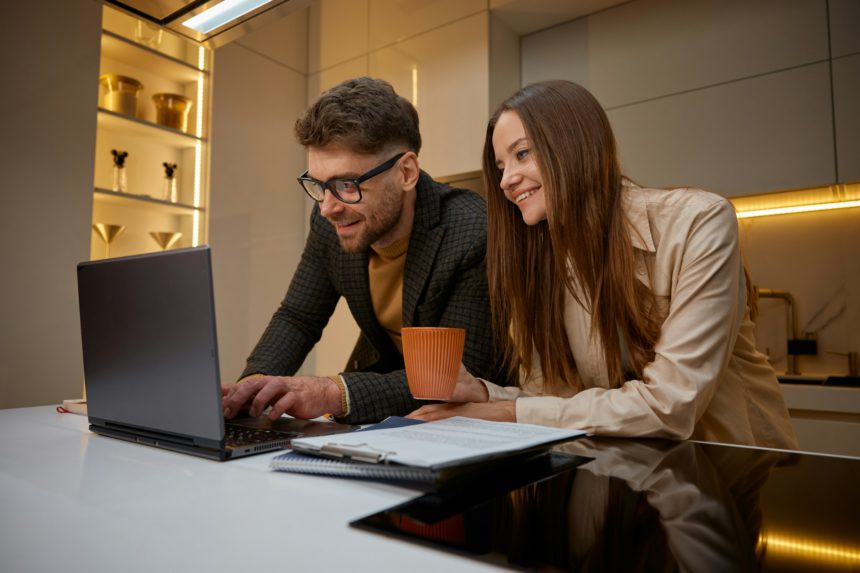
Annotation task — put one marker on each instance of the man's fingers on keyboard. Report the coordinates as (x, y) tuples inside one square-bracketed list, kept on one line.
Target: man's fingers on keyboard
[(282, 406)]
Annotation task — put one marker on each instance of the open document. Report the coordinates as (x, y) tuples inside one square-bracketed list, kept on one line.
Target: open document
[(439, 444)]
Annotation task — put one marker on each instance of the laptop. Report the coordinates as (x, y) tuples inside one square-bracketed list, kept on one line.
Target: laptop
[(151, 359)]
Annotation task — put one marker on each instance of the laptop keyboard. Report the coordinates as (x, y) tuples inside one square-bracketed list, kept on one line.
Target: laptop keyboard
[(238, 436)]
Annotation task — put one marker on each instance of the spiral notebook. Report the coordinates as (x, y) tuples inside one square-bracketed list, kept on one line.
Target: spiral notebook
[(421, 478), (353, 464), (297, 462)]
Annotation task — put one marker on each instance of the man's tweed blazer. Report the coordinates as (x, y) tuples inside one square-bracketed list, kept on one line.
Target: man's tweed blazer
[(444, 284)]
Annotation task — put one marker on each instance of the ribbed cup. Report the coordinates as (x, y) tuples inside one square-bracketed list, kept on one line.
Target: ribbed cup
[(433, 356)]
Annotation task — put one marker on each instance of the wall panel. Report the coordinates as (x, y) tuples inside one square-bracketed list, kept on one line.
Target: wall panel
[(48, 105), (257, 222), (444, 72)]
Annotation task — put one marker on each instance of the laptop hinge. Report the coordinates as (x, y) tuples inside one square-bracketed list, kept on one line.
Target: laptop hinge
[(134, 431)]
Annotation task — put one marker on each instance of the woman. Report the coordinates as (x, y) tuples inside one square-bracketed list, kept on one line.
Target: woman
[(626, 310)]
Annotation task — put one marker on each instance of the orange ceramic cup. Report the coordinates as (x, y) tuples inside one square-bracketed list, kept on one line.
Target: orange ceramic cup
[(433, 356)]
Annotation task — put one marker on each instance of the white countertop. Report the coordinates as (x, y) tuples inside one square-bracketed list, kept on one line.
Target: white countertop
[(75, 501)]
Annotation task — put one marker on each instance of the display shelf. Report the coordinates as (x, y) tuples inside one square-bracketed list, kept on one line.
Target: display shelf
[(162, 63), (139, 32), (134, 125), (108, 196), (120, 48)]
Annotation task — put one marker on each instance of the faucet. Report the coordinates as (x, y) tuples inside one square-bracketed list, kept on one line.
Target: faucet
[(790, 323), (852, 357)]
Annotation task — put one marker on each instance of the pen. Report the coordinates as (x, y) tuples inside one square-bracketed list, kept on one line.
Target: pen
[(355, 452)]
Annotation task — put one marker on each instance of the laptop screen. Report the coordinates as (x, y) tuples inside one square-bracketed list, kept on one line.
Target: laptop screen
[(149, 342)]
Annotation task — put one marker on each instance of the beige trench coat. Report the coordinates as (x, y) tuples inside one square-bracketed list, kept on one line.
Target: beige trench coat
[(707, 381)]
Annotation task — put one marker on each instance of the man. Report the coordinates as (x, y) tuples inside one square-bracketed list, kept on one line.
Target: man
[(402, 249)]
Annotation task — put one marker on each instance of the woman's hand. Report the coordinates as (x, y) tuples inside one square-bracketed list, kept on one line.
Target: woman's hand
[(505, 411), (469, 388), (470, 399)]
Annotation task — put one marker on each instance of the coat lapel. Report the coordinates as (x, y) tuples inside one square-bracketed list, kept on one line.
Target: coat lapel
[(419, 263), (423, 245)]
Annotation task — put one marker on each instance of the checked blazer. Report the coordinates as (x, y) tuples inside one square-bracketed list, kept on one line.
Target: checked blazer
[(444, 284)]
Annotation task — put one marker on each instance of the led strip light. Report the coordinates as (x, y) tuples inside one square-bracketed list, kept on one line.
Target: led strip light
[(841, 196)]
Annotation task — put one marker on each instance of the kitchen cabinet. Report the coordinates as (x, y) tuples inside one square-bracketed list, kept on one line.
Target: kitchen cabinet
[(846, 87), (770, 132), (844, 15), (129, 122), (826, 419), (740, 98)]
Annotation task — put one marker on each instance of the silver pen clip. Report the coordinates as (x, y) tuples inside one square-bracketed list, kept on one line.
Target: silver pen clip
[(359, 452)]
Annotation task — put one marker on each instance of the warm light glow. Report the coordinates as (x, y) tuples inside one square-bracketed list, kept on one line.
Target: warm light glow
[(415, 86), (841, 196), (198, 148), (198, 157), (201, 59), (218, 15), (809, 549), (199, 130), (798, 209), (195, 237)]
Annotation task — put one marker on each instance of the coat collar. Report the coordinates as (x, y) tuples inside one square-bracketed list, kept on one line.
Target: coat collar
[(635, 205), (424, 243), (428, 210)]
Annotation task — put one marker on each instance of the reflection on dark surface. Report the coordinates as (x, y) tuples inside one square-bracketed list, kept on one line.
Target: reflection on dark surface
[(652, 506)]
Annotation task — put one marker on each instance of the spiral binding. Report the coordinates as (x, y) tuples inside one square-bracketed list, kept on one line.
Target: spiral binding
[(299, 463)]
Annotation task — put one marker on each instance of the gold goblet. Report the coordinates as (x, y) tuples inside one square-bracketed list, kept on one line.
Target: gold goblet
[(165, 239), (108, 234)]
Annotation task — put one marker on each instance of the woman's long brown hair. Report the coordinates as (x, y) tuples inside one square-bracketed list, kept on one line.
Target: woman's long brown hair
[(584, 245)]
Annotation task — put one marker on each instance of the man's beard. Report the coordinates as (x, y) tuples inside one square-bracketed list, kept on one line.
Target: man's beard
[(378, 223)]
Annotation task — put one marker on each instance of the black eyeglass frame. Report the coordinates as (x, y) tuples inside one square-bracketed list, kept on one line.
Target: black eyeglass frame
[(357, 181)]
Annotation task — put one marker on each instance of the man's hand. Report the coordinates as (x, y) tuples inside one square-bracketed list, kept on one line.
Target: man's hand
[(299, 396)]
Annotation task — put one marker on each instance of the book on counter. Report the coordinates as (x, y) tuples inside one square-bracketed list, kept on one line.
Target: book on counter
[(76, 406), (433, 453)]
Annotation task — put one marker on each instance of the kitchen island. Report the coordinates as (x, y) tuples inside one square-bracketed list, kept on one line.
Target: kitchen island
[(75, 501)]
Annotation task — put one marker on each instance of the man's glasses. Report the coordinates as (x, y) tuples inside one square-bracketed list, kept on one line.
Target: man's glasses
[(346, 190)]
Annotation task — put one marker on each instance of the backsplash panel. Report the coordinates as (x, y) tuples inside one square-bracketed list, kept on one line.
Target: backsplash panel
[(816, 258)]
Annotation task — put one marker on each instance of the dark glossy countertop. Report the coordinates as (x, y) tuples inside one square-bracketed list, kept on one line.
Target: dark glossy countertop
[(649, 505)]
